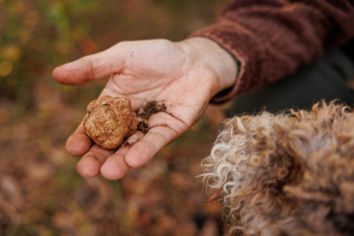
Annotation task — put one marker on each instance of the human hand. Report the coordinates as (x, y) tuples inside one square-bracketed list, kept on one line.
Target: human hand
[(184, 76)]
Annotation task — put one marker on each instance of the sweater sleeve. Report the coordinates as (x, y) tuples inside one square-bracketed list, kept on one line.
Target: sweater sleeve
[(272, 38)]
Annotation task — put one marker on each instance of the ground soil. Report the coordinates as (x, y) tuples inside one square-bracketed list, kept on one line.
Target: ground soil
[(41, 194)]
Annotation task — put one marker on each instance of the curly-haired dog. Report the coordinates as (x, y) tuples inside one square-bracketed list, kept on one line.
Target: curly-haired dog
[(286, 174)]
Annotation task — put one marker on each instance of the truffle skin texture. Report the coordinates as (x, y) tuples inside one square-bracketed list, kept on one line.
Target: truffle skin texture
[(109, 120)]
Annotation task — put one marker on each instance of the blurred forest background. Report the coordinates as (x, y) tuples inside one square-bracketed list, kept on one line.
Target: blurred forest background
[(40, 192)]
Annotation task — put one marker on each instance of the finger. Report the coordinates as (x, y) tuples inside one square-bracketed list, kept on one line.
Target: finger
[(78, 143), (151, 143), (90, 164), (115, 166), (134, 138), (90, 67)]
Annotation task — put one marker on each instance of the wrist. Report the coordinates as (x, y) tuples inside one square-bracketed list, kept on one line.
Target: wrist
[(211, 53)]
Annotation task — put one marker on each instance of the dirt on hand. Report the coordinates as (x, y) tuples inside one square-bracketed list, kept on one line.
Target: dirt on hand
[(151, 108), (145, 112)]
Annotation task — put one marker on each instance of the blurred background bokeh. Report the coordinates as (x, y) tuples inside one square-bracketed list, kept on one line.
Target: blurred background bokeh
[(40, 192)]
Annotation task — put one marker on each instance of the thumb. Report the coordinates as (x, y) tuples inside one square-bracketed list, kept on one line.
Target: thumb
[(90, 67)]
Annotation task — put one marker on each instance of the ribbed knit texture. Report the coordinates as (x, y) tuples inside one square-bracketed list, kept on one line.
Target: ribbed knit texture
[(272, 38)]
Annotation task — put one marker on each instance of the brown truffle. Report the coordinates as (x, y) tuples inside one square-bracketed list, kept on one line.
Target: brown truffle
[(109, 120)]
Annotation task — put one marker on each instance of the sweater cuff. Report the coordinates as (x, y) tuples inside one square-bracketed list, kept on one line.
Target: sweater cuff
[(242, 46)]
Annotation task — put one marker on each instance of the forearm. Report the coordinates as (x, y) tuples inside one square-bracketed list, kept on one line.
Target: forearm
[(273, 38)]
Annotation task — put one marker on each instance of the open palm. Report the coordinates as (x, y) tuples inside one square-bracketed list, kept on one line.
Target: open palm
[(151, 70)]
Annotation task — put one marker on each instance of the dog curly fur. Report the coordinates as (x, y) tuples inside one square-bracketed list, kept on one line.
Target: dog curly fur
[(286, 174)]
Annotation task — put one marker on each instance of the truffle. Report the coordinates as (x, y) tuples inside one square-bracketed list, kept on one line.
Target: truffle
[(109, 121)]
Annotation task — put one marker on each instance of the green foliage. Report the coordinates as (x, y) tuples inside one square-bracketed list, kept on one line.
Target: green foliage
[(37, 35)]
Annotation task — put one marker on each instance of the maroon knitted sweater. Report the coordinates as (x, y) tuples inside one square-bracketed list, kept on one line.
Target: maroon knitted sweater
[(272, 38)]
